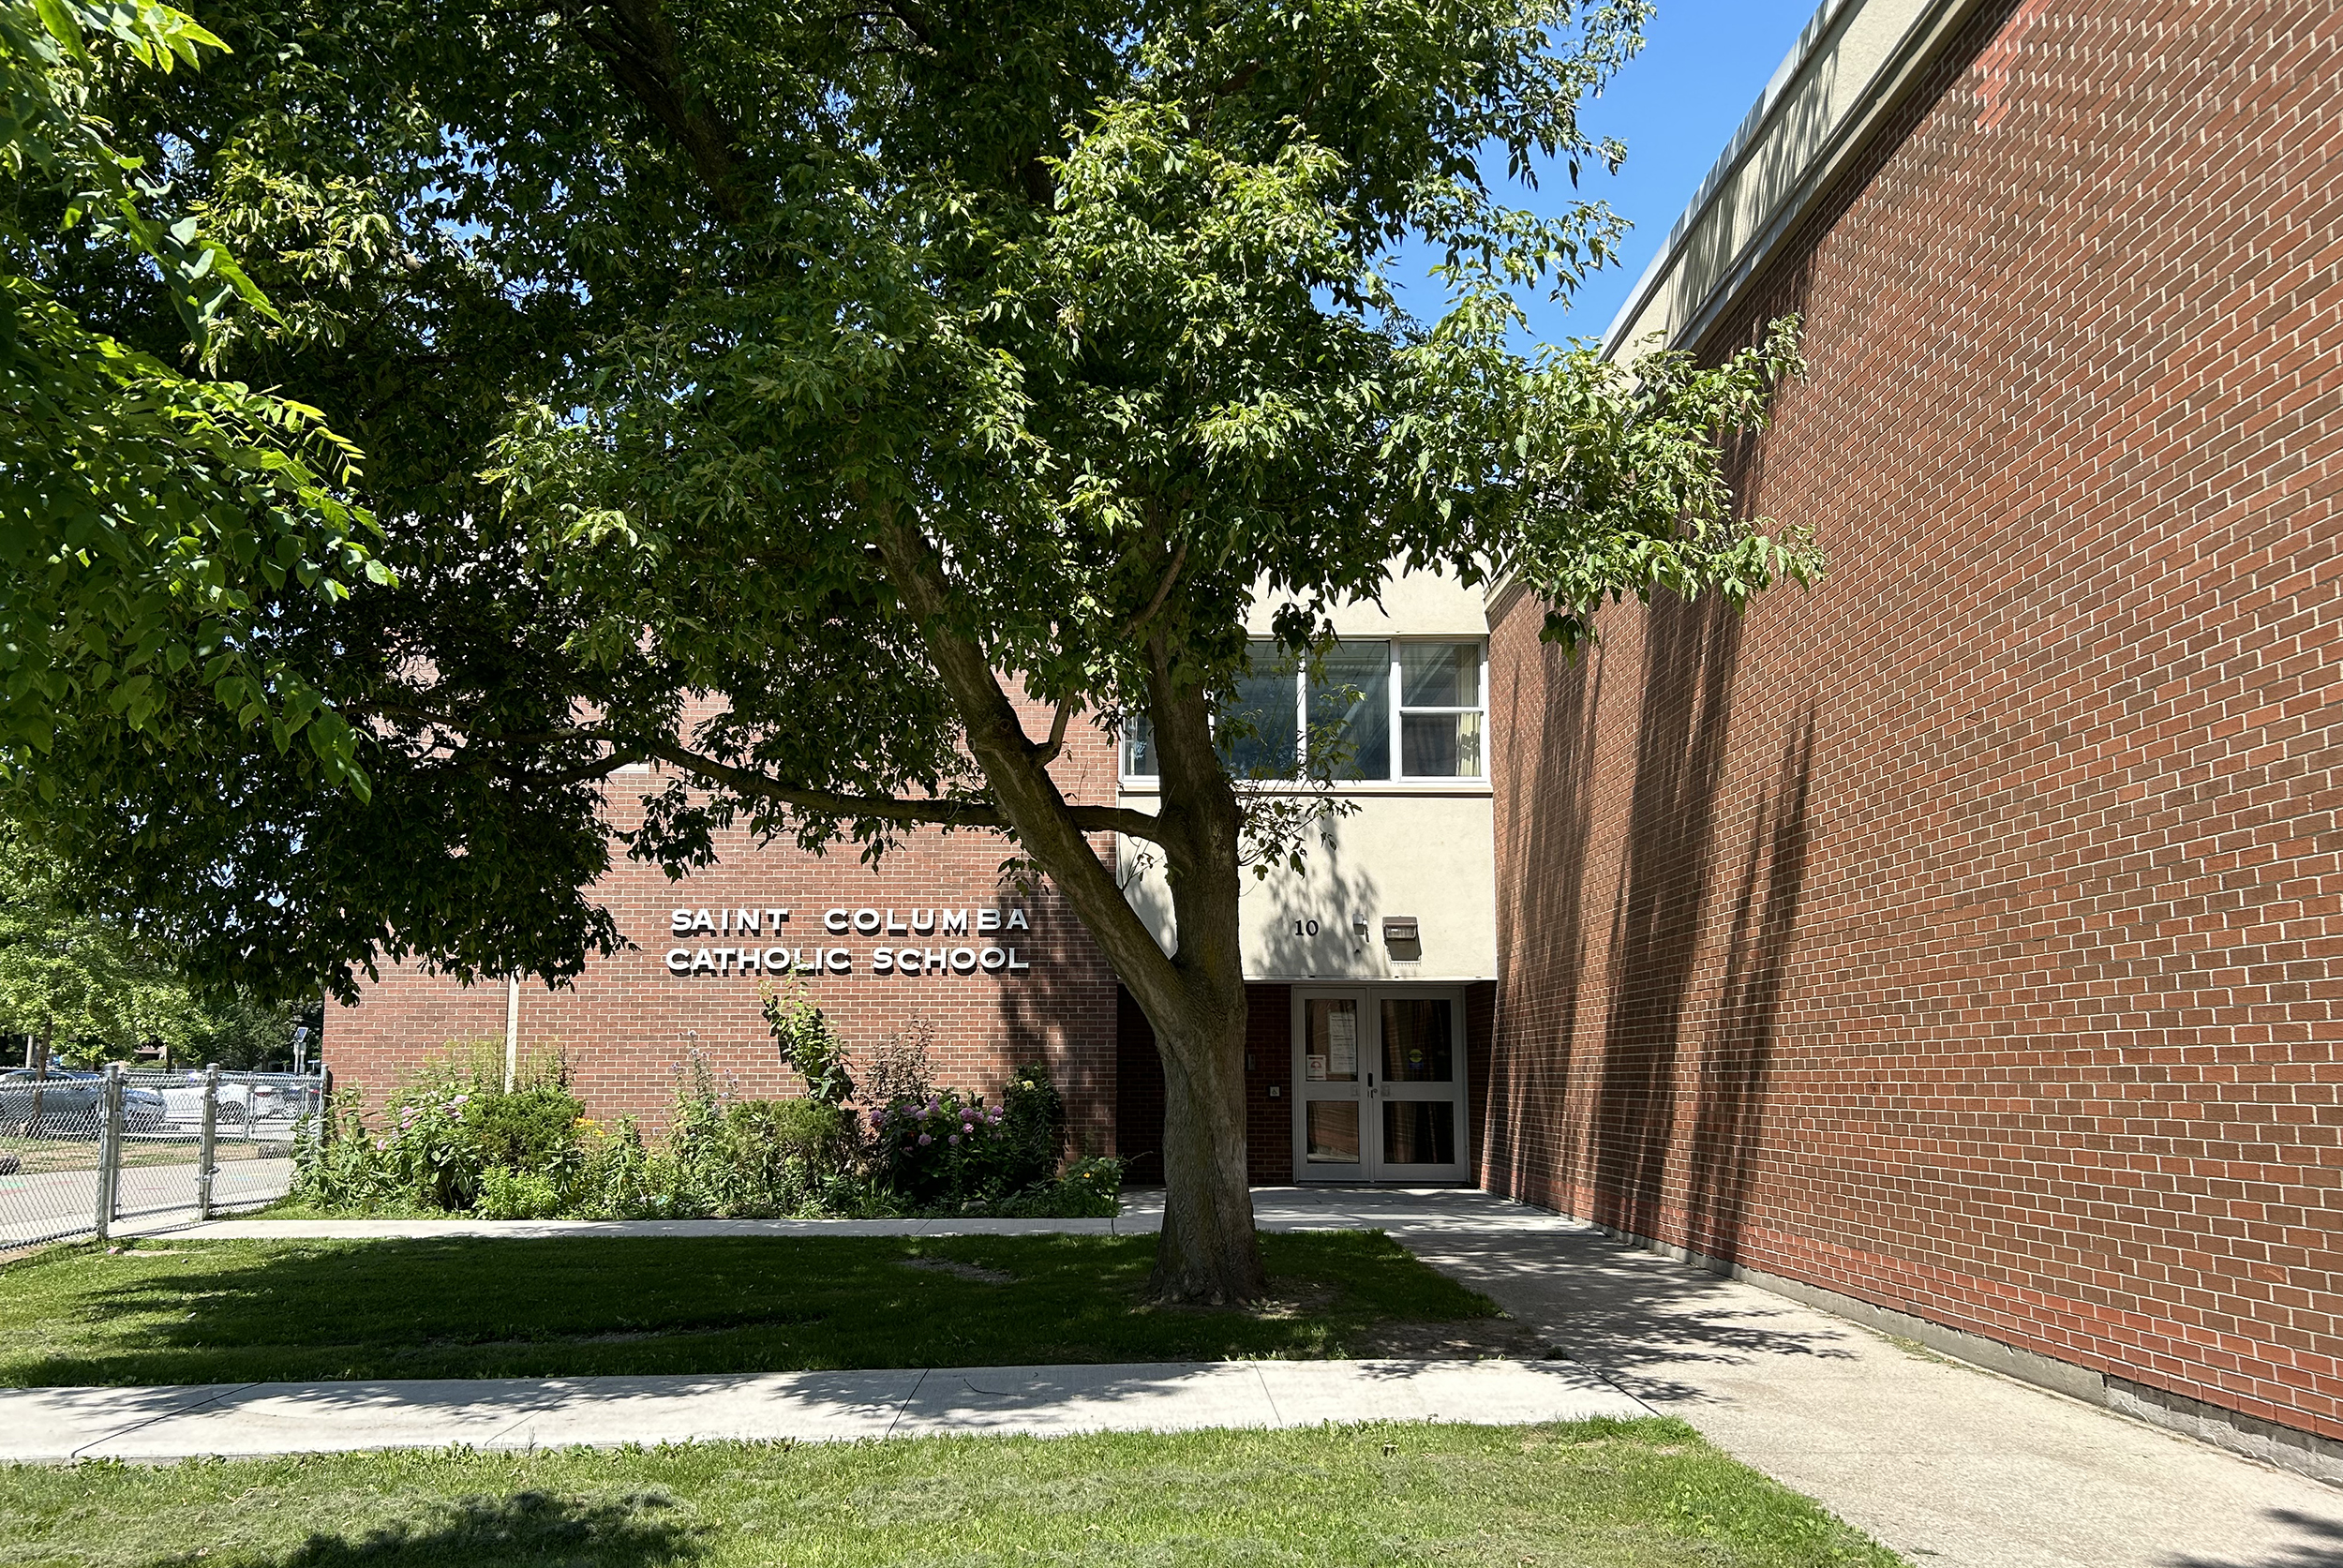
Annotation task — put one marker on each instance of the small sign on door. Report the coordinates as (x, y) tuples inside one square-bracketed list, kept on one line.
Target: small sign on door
[(1342, 1043)]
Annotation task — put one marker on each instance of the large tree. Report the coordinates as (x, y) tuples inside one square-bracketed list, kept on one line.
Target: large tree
[(869, 365)]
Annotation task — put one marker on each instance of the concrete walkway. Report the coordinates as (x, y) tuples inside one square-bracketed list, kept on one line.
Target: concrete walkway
[(1418, 1210), (50, 1424), (1946, 1463)]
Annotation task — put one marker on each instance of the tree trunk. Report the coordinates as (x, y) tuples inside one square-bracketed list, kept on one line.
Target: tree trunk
[(1208, 1253), (1195, 998)]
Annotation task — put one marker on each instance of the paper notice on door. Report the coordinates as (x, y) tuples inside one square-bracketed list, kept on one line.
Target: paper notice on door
[(1317, 1066), (1342, 1044)]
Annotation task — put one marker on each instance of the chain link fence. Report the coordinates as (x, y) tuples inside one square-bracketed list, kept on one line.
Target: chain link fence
[(83, 1150)]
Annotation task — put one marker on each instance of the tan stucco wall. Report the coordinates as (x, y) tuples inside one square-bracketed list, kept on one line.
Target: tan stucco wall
[(1408, 849), (1431, 857)]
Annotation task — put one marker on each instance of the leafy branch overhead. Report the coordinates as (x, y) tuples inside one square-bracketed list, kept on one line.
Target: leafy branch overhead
[(153, 520)]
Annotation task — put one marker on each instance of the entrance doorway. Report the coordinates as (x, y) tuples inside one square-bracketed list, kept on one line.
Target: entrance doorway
[(1380, 1085)]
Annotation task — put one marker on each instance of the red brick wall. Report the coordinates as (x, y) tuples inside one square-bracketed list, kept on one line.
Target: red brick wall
[(1269, 1063), (1269, 1060), (1961, 937), (627, 1027)]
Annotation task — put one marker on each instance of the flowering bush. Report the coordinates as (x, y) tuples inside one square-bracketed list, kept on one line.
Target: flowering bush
[(955, 1151)]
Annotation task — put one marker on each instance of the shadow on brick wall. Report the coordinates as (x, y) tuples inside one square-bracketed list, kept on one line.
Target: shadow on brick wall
[(1735, 1068), (1691, 651), (1663, 929), (1658, 1102), (1528, 1137)]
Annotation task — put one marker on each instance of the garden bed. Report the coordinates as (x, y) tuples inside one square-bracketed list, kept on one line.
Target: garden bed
[(462, 1140)]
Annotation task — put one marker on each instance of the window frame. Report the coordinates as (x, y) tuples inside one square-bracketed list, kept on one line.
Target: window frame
[(1399, 710), (1395, 780)]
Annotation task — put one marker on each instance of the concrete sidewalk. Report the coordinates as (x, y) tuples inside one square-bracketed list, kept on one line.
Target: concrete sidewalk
[(1949, 1464), (1946, 1463), (1428, 1211), (53, 1424)]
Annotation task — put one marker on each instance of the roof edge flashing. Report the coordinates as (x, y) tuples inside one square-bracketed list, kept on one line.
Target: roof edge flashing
[(1853, 61)]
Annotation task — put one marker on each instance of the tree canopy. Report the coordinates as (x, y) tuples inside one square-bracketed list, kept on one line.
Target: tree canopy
[(150, 520), (857, 364)]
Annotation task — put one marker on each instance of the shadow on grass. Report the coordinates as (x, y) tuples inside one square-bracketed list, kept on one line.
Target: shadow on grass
[(525, 1528), (278, 1312)]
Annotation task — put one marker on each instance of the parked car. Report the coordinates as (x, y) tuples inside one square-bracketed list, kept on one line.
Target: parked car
[(284, 1100), (241, 1101), (184, 1101), (66, 1103)]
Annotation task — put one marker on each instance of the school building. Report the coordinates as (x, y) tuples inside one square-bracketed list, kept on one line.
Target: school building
[(1954, 944)]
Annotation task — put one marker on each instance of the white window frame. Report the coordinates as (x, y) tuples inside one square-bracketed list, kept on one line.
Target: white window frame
[(1399, 710), (1394, 719)]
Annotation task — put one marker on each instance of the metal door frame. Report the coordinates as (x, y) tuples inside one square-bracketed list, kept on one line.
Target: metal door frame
[(1371, 1169)]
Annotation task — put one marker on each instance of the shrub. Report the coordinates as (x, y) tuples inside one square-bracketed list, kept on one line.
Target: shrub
[(1089, 1188), (507, 1194), (954, 1151), (531, 1128), (1035, 1126), (436, 1145), (344, 1171), (761, 1158), (464, 1143), (809, 1044)]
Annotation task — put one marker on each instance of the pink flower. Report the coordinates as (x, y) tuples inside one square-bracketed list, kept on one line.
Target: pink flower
[(925, 1139), (954, 1139)]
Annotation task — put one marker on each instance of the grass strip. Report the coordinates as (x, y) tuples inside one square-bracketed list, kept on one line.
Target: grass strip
[(274, 1311), (1601, 1494)]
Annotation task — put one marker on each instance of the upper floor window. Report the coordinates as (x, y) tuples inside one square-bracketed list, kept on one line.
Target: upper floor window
[(1381, 711)]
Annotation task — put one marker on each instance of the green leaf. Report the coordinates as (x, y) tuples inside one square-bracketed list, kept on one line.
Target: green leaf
[(58, 19)]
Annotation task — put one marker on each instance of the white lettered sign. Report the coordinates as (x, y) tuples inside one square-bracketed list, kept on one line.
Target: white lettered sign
[(737, 940)]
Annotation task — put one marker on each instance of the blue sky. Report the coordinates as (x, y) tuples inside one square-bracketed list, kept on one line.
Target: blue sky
[(1704, 64)]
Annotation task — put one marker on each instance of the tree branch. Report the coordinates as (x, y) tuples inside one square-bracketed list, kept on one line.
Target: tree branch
[(940, 811), (1163, 590), (944, 812), (1050, 830), (639, 46), (1048, 753)]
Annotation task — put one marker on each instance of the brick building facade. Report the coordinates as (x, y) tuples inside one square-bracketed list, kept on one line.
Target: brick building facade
[(629, 1028), (1960, 938), (1034, 988)]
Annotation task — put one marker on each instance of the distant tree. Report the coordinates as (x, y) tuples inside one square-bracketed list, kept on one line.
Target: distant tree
[(85, 988), (865, 365), (76, 980)]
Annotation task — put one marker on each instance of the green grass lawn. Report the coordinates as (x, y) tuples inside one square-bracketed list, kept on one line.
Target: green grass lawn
[(1644, 1494), (185, 1312)]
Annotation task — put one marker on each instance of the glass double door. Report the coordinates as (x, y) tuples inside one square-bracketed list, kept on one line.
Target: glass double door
[(1378, 1076)]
